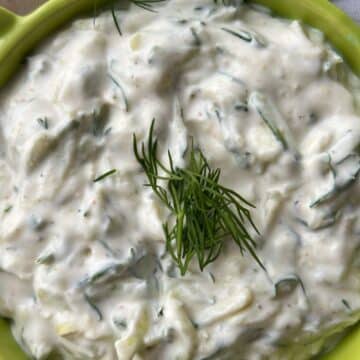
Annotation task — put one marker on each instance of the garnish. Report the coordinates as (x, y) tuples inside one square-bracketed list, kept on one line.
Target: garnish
[(203, 212), (105, 175)]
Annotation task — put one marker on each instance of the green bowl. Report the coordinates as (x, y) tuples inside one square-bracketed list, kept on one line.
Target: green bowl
[(19, 34)]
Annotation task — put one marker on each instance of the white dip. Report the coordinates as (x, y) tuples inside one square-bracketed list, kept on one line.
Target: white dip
[(84, 268)]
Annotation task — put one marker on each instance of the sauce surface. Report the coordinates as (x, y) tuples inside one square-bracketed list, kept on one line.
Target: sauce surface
[(84, 269)]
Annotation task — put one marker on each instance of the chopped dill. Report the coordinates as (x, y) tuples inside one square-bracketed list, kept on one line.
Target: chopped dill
[(105, 175), (241, 34), (43, 122), (346, 304), (116, 20), (8, 209), (119, 86), (197, 40), (93, 307), (147, 4), (120, 323), (45, 259), (212, 277)]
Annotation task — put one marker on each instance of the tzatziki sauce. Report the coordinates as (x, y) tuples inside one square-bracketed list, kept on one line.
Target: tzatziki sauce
[(84, 269)]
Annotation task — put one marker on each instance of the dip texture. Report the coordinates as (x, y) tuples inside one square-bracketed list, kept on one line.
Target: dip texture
[(84, 270)]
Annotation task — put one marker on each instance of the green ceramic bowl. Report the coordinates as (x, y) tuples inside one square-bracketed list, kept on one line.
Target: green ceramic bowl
[(18, 35)]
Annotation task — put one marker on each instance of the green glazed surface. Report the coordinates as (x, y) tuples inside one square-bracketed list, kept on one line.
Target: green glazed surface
[(18, 35)]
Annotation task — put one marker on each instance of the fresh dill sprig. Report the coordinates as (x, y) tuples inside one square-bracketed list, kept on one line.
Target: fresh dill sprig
[(105, 175), (203, 212)]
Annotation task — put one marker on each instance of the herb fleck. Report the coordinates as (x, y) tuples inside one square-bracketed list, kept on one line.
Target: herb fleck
[(116, 20), (346, 304), (94, 307), (105, 175), (8, 209), (43, 122)]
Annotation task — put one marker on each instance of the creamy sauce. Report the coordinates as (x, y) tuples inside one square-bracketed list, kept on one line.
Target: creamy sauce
[(84, 270)]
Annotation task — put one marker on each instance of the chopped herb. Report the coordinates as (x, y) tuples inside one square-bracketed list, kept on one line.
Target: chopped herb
[(116, 20), (96, 126), (194, 324), (212, 277), (235, 3), (8, 209), (120, 323), (147, 4), (118, 85), (182, 21), (241, 107), (218, 115), (273, 120), (43, 122), (159, 265), (247, 36), (94, 307), (105, 175), (340, 183), (45, 259), (274, 129), (160, 312), (107, 272), (205, 213), (36, 223), (346, 304), (107, 131), (241, 34), (197, 40), (107, 247), (232, 78)]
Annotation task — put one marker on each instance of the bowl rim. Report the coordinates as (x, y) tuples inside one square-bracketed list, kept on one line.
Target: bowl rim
[(19, 34)]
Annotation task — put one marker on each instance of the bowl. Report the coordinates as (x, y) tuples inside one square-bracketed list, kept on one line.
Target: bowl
[(19, 34)]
